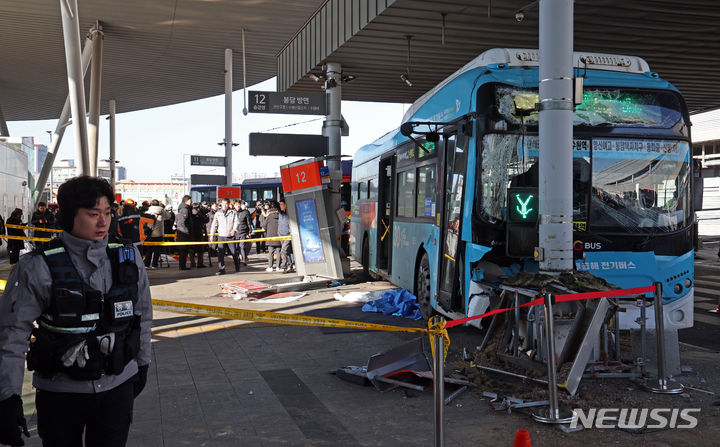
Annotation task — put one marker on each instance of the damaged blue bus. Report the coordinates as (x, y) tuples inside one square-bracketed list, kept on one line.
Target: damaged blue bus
[(442, 206)]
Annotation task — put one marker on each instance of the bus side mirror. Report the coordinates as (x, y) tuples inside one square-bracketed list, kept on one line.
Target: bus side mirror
[(406, 129)]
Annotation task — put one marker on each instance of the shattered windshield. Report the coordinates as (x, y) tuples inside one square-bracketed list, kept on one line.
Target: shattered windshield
[(639, 185), (512, 160), (623, 185), (600, 107)]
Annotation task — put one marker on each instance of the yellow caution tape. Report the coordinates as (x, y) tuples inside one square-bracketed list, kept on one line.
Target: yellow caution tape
[(3, 284), (25, 227), (25, 238), (439, 330), (231, 241), (291, 319)]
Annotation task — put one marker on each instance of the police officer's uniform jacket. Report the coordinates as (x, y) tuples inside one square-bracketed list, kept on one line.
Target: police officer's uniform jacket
[(29, 297)]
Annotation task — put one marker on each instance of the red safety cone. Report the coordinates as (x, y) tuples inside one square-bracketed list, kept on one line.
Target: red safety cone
[(717, 309), (522, 439)]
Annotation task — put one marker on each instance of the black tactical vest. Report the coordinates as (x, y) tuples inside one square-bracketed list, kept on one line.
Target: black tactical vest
[(102, 328)]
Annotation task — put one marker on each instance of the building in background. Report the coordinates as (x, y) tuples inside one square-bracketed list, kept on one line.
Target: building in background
[(169, 193), (41, 152), (14, 188), (60, 174), (706, 151)]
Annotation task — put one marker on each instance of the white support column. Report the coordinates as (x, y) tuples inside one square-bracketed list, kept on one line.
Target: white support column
[(228, 117), (333, 130), (112, 143), (60, 130), (333, 120), (4, 131), (555, 129), (95, 95), (76, 88)]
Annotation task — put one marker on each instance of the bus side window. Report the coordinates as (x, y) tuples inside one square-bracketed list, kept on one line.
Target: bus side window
[(373, 189), (362, 190), (405, 194), (427, 194)]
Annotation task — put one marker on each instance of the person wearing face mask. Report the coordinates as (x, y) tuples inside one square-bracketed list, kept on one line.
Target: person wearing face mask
[(90, 347)]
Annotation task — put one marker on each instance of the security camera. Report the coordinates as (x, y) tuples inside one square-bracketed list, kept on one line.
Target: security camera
[(406, 79), (24, 183), (519, 16)]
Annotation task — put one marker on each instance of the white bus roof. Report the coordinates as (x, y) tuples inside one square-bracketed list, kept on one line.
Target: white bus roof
[(523, 57)]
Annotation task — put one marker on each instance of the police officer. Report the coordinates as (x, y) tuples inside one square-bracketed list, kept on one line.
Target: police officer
[(90, 348)]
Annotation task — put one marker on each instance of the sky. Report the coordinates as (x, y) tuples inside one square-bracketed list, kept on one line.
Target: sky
[(151, 143)]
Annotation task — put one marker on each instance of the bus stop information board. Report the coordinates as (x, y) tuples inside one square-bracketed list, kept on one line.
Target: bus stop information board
[(228, 192), (290, 103), (202, 160), (300, 177)]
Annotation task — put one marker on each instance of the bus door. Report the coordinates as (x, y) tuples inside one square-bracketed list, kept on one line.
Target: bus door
[(449, 287), (384, 214)]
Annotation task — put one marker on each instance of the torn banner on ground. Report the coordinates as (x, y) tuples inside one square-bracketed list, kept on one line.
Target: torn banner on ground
[(398, 302)]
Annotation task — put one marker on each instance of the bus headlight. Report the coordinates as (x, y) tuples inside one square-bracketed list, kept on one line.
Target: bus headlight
[(688, 283), (677, 289)]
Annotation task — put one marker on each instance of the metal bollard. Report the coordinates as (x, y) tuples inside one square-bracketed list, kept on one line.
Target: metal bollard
[(552, 414), (439, 385), (662, 386)]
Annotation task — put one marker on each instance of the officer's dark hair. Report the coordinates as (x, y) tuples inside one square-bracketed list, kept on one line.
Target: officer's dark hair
[(80, 192)]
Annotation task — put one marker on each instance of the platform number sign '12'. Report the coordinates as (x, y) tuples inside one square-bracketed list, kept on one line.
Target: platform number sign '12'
[(522, 205)]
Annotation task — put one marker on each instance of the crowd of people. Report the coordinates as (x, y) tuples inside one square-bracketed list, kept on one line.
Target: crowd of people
[(153, 221)]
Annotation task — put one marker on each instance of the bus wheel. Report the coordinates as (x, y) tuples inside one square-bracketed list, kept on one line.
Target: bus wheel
[(422, 287)]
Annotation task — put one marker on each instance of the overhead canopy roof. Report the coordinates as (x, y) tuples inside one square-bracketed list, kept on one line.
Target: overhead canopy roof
[(679, 39), (156, 52), (164, 52)]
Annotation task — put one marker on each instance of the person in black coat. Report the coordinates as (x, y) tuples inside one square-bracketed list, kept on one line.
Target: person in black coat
[(199, 234), (244, 225), (14, 245), (2, 229), (271, 230), (42, 218), (183, 224)]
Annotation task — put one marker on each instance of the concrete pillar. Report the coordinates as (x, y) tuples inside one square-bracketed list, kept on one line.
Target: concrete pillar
[(555, 129), (57, 136), (95, 96), (228, 117), (76, 88), (112, 143)]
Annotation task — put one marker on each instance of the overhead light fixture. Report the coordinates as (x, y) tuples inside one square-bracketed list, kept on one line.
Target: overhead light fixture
[(406, 76), (317, 77), (348, 78), (520, 13)]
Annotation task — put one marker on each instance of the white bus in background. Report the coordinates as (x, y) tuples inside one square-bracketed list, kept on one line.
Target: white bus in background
[(14, 190)]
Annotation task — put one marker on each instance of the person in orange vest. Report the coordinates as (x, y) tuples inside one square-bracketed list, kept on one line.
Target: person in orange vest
[(131, 224)]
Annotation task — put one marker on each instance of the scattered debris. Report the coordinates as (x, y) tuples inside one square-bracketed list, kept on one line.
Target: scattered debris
[(360, 297), (397, 302)]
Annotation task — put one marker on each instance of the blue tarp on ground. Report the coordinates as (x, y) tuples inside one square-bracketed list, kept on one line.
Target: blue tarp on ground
[(398, 302)]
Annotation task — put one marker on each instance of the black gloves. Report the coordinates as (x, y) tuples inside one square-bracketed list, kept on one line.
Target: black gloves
[(140, 380), (12, 421)]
